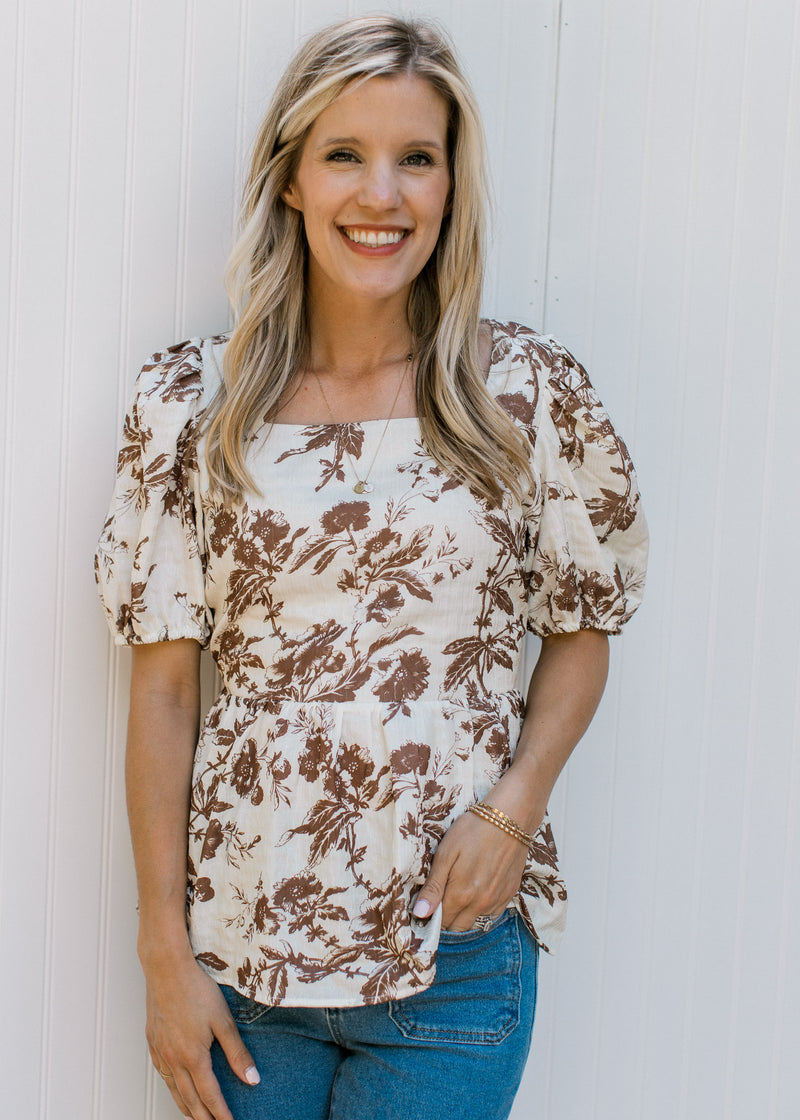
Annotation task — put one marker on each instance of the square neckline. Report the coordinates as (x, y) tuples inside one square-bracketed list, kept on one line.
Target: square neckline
[(383, 419)]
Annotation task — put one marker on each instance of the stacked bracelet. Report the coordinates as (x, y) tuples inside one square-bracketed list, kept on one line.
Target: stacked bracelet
[(500, 820)]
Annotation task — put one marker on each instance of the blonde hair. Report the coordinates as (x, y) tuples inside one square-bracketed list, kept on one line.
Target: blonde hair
[(463, 428)]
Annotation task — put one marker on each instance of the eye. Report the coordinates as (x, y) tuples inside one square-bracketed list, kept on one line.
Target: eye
[(340, 155), (418, 159)]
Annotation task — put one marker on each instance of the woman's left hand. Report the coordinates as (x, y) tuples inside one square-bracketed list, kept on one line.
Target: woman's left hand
[(477, 870)]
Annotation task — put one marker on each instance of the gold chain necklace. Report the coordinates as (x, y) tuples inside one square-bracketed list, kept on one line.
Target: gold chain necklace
[(363, 486)]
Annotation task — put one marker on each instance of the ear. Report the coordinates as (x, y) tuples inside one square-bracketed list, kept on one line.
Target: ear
[(291, 197)]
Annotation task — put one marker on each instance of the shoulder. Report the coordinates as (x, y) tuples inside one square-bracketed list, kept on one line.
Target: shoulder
[(187, 372), (175, 386), (516, 344), (521, 355), (525, 368), (544, 387)]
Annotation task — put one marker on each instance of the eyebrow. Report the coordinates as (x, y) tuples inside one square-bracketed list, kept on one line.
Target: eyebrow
[(354, 140)]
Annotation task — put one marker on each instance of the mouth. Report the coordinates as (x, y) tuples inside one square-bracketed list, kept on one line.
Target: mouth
[(374, 238)]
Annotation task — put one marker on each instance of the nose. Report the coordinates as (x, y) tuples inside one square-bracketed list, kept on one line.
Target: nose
[(379, 188)]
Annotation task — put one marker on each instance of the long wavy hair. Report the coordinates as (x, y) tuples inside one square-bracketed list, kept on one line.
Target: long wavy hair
[(463, 428)]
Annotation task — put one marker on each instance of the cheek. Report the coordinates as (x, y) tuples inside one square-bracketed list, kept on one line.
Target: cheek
[(437, 212), (437, 202), (315, 224)]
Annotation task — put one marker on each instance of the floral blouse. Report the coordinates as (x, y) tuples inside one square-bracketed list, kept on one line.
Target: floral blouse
[(369, 650)]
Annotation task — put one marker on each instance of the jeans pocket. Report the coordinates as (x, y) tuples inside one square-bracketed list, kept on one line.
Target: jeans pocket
[(447, 936), (243, 1009), (475, 997)]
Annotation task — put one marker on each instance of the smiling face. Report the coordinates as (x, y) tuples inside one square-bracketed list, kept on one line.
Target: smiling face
[(373, 186)]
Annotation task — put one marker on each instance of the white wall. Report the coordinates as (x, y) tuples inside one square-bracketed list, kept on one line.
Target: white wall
[(647, 166)]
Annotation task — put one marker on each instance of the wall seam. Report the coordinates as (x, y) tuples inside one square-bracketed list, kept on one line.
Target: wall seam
[(112, 671), (242, 86), (506, 67), (786, 943), (54, 776), (760, 589), (553, 141), (638, 1078), (9, 406), (670, 588), (706, 723), (597, 179), (564, 780), (184, 177)]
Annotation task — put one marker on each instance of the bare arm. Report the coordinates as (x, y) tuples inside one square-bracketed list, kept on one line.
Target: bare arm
[(477, 868), (185, 1008), (163, 724)]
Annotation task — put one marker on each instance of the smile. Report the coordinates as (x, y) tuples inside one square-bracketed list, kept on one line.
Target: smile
[(374, 239)]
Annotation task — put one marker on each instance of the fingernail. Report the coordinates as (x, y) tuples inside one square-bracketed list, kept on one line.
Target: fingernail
[(251, 1075), (422, 908)]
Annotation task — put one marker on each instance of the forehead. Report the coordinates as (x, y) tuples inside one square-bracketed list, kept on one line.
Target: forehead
[(384, 107)]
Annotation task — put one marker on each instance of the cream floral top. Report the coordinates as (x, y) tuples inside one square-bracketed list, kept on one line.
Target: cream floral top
[(369, 650)]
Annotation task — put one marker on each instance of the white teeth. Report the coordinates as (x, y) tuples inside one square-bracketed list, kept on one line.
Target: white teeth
[(374, 238)]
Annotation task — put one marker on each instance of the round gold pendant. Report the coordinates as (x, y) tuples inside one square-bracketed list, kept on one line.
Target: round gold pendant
[(363, 487)]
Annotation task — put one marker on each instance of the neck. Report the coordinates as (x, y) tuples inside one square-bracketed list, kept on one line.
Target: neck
[(354, 340)]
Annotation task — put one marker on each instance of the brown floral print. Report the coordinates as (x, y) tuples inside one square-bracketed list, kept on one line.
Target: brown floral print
[(369, 650)]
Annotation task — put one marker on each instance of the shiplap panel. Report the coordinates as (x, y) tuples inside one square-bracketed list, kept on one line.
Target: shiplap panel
[(520, 97), (646, 165), (671, 662), (158, 177), (777, 826), (31, 761), (595, 199), (746, 648), (82, 869), (209, 212), (13, 29), (710, 258), (265, 45), (701, 818)]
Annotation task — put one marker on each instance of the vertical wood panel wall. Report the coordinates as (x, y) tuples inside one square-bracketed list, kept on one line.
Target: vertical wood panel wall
[(646, 161)]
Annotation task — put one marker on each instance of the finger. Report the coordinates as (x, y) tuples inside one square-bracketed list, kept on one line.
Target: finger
[(192, 1105), (165, 1073), (459, 926), (432, 890), (210, 1094), (169, 1081), (239, 1057), (464, 902), (461, 919)]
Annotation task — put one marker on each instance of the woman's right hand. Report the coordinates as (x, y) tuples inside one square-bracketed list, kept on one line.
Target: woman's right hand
[(186, 1011)]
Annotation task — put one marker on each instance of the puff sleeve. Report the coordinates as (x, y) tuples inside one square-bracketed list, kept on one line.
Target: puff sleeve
[(587, 535), (150, 559)]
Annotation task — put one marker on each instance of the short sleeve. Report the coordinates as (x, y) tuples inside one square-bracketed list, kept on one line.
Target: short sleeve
[(587, 535), (150, 559)]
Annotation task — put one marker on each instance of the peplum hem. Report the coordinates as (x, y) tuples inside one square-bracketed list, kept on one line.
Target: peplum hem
[(298, 808)]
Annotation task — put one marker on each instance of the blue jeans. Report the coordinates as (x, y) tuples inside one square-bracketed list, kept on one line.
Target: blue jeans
[(456, 1050)]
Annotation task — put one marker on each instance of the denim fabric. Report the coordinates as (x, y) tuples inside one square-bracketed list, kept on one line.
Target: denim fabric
[(455, 1051)]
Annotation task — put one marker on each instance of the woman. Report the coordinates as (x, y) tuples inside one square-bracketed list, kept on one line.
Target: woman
[(360, 498)]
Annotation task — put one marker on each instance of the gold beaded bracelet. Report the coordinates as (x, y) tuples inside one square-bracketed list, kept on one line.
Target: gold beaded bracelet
[(502, 821)]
